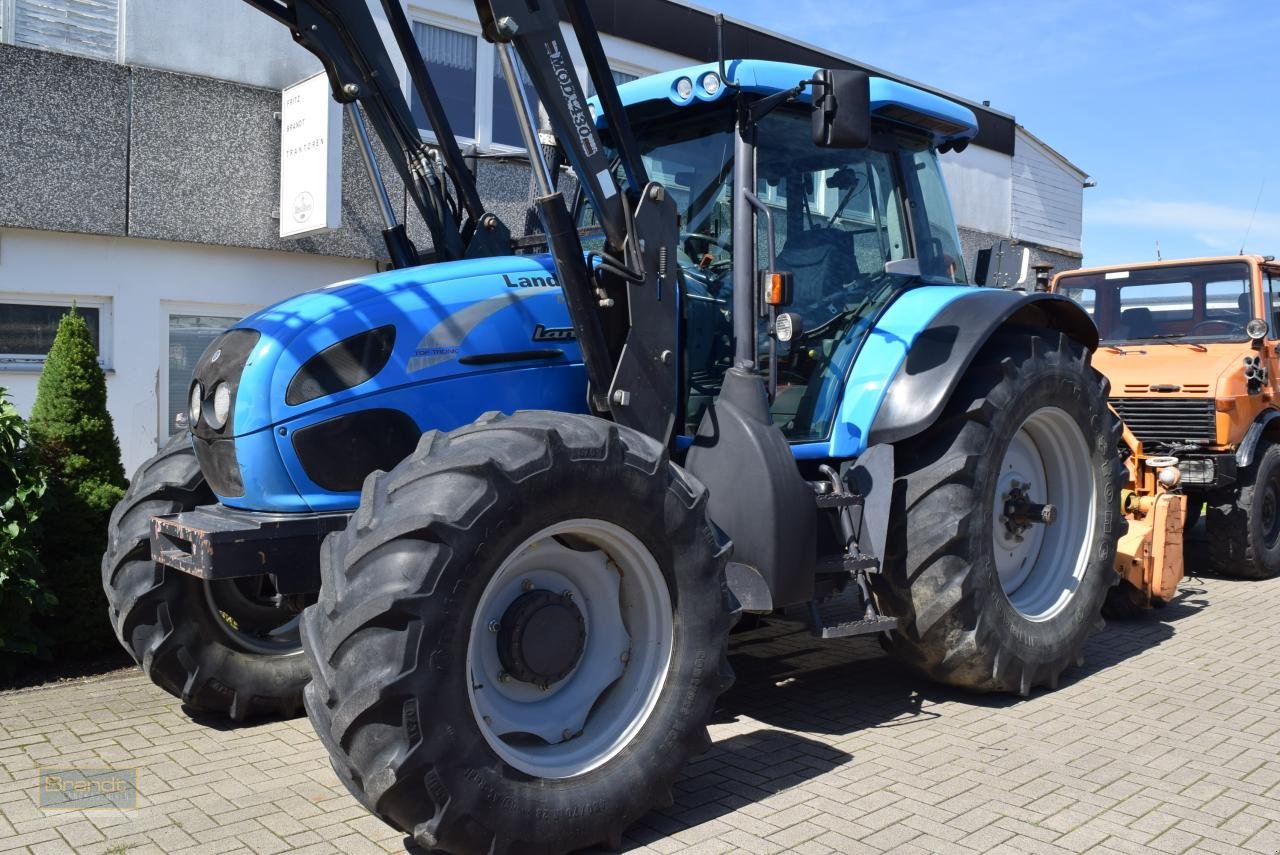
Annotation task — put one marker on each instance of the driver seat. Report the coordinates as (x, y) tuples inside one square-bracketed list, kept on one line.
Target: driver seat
[(821, 261), (1136, 323)]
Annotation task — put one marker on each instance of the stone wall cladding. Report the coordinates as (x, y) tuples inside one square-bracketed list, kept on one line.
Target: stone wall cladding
[(99, 148), (63, 142), (971, 241), (204, 167)]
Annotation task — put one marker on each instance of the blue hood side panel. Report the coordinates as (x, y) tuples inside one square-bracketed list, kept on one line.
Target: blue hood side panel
[(876, 364), (434, 311), (440, 405), (471, 336)]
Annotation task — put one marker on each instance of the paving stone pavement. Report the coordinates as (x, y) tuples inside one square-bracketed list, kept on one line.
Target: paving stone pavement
[(1166, 741)]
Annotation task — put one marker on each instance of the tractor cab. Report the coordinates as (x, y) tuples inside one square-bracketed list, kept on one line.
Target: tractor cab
[(851, 228)]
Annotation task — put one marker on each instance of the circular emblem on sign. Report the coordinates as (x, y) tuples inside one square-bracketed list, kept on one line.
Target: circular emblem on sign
[(217, 354), (303, 205)]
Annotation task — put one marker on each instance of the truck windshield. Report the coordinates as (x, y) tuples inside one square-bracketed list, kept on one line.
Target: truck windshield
[(840, 216), (1188, 302)]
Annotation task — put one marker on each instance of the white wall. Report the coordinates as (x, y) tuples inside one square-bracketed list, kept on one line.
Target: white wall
[(231, 40), (226, 39), (980, 183), (144, 281), (1048, 196)]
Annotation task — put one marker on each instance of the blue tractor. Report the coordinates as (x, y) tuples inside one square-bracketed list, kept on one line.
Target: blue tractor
[(491, 515)]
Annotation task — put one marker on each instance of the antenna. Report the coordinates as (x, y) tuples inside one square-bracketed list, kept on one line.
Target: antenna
[(720, 51), (1251, 216)]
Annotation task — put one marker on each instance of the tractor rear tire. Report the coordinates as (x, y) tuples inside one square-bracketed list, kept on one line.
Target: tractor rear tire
[(1244, 525), (987, 601), (412, 605), (178, 628)]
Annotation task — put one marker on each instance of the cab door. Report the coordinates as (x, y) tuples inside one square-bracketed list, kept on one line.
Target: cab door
[(1271, 349)]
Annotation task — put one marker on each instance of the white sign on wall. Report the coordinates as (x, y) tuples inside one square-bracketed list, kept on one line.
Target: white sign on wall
[(310, 159)]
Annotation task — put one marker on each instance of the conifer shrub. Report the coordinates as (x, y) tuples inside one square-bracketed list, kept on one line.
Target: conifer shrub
[(72, 432)]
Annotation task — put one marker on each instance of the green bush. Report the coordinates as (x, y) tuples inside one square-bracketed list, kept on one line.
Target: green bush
[(22, 594), (73, 434)]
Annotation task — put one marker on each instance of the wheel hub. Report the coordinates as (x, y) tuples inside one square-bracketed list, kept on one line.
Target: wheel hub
[(1043, 513), (1020, 513), (541, 637)]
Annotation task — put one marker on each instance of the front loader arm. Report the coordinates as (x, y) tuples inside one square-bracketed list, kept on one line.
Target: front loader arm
[(635, 359)]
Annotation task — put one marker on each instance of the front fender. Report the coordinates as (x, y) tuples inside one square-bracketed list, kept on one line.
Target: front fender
[(940, 355), (1249, 445)]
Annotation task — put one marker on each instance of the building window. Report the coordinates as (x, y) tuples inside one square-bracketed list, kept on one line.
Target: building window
[(451, 60), (619, 78), (189, 335), (468, 78), (506, 122), (84, 27), (27, 329)]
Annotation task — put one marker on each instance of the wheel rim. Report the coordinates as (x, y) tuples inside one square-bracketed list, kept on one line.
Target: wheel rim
[(1041, 564), (245, 612), (1270, 516), (591, 708)]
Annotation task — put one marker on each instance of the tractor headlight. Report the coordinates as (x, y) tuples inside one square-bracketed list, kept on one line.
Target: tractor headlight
[(1256, 329), (684, 88), (221, 406), (193, 406), (710, 83)]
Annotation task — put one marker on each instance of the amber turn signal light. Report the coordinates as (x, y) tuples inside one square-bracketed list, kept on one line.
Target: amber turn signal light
[(777, 287)]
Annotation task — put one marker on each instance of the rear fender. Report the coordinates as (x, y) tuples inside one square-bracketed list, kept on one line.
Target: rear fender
[(940, 355)]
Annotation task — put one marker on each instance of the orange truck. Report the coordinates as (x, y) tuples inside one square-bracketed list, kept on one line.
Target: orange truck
[(1192, 351)]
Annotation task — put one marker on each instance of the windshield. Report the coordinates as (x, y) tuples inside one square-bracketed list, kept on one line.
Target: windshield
[(1189, 302), (840, 217)]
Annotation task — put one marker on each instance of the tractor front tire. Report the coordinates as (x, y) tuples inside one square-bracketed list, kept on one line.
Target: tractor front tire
[(990, 599), (448, 720), (191, 637), (1244, 525)]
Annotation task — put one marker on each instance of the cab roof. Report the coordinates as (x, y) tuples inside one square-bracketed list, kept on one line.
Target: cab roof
[(944, 120), (1169, 262)]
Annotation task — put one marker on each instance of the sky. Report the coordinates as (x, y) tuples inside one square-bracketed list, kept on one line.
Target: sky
[(1173, 108)]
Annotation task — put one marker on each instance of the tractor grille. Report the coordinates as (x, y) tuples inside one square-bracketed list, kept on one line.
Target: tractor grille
[(1165, 420)]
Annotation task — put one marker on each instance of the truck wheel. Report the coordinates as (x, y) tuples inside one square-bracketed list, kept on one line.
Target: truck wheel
[(221, 647), (520, 636), (1244, 526), (990, 597), (1124, 602)]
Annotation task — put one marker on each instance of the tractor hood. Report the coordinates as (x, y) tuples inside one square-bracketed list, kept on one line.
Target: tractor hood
[(434, 322), (297, 403)]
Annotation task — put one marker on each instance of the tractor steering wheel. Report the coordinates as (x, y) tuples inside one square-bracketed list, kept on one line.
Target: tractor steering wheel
[(1231, 326), (697, 245)]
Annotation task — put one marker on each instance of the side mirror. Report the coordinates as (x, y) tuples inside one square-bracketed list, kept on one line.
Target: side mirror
[(842, 108)]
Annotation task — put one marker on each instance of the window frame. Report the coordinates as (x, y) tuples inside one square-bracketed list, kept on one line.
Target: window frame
[(8, 15), (485, 60), (29, 363), (169, 308)]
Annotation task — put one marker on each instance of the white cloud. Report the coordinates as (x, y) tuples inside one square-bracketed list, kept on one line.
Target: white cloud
[(1219, 227)]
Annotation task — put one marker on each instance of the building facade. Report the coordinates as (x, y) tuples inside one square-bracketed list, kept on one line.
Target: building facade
[(139, 173)]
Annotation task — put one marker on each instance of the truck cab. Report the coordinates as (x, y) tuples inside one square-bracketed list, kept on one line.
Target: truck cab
[(1191, 350)]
